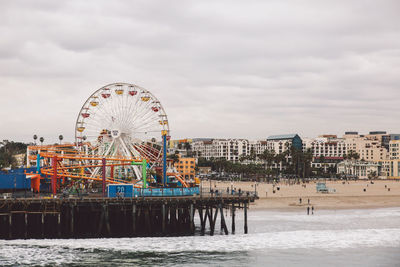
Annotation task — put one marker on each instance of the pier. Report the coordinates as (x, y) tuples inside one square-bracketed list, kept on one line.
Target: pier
[(90, 217)]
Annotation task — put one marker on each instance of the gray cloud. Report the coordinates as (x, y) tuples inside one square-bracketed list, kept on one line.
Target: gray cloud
[(220, 68)]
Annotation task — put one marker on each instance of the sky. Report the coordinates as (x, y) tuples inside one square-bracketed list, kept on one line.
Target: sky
[(223, 69)]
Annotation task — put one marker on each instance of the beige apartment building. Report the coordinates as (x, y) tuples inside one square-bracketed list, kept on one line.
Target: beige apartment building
[(391, 166), (370, 147)]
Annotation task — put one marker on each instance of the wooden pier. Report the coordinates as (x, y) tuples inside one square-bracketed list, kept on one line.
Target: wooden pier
[(89, 217)]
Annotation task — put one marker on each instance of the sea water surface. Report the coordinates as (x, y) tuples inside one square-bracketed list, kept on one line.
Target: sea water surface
[(368, 237)]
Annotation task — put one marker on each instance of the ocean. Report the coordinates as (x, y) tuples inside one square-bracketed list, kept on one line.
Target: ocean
[(365, 237)]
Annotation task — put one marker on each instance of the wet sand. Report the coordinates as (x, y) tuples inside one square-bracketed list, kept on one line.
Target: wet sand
[(350, 195)]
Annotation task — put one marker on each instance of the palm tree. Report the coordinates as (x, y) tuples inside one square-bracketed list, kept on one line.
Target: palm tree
[(280, 158), (61, 138), (41, 140), (323, 162), (35, 138), (253, 155), (268, 156), (308, 158)]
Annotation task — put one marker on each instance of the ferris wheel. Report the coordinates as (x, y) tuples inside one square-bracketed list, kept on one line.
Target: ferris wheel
[(122, 120)]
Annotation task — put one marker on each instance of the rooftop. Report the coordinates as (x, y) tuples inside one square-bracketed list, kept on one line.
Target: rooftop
[(282, 137)]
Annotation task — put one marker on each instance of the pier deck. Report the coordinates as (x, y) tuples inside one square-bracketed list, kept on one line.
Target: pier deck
[(92, 217)]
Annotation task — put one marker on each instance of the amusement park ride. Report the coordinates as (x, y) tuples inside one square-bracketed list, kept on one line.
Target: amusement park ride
[(121, 137)]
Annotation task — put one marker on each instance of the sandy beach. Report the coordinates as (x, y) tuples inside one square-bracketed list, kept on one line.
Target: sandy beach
[(348, 195)]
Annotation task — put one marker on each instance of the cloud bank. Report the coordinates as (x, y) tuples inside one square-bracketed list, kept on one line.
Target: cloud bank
[(220, 68)]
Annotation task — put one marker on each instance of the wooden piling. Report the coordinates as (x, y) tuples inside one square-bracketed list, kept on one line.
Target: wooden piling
[(209, 215), (134, 219), (191, 220), (214, 221), (202, 220), (233, 219), (147, 220), (101, 221), (223, 224), (26, 225), (163, 219), (107, 219), (59, 225), (245, 218), (10, 228), (42, 224), (72, 220)]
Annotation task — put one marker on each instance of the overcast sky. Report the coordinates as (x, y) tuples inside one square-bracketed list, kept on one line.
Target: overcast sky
[(220, 68)]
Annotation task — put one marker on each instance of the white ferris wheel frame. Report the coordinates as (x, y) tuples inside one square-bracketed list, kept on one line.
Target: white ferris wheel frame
[(131, 115)]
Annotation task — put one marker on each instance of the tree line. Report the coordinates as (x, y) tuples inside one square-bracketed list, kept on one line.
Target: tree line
[(290, 163), (7, 152)]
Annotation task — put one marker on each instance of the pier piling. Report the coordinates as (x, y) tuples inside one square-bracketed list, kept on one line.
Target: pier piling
[(245, 218)]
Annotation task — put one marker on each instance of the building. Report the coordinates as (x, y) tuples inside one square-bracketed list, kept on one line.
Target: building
[(391, 167), (282, 143), (394, 149), (327, 150), (359, 169), (204, 170), (369, 147), (258, 147), (181, 146), (186, 167), (235, 149), (229, 149)]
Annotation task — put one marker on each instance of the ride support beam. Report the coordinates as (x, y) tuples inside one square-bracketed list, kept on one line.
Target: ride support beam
[(143, 163), (144, 173), (164, 136), (103, 169), (38, 158), (54, 176)]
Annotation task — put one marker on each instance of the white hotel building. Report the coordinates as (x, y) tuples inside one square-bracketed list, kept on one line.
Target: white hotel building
[(230, 149)]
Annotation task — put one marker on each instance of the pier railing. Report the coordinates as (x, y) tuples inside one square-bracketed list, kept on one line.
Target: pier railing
[(148, 192), (224, 192)]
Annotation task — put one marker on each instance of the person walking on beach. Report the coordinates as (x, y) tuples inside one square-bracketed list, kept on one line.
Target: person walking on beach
[(300, 200), (308, 210), (312, 210), (308, 201)]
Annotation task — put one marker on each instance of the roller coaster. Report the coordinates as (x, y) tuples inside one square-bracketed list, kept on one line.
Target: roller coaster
[(121, 136)]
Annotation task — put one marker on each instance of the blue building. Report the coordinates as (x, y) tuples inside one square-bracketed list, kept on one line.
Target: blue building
[(281, 143), (15, 179)]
